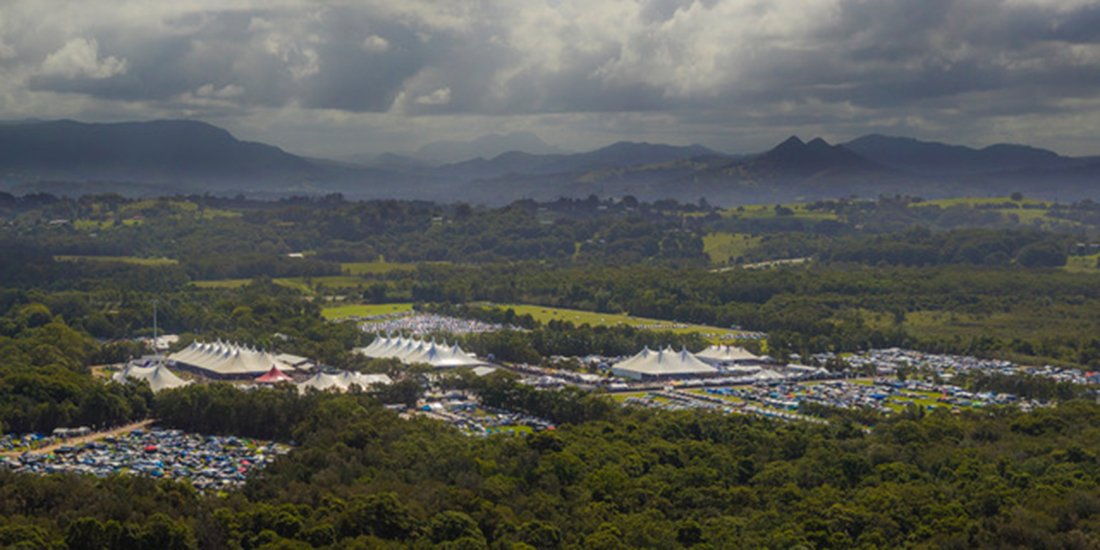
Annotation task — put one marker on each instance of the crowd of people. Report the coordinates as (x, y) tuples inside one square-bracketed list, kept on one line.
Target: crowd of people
[(421, 324)]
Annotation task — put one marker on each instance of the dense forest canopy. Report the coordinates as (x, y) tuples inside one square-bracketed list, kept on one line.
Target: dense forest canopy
[(1011, 278)]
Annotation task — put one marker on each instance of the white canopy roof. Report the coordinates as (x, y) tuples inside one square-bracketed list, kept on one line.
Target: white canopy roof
[(727, 353), (666, 362), (767, 374), (159, 377), (224, 359), (342, 381), (411, 350)]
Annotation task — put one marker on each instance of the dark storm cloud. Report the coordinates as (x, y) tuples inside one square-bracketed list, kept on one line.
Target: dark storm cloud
[(841, 62)]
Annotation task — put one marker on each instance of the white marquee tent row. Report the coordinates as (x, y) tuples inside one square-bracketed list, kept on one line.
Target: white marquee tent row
[(225, 360), (158, 376), (415, 350), (662, 364), (728, 355), (342, 381)]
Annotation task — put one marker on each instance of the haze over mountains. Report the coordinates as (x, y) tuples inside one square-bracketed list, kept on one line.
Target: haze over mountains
[(166, 157)]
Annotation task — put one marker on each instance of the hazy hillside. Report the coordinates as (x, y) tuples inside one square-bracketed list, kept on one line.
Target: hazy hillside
[(167, 150), (937, 158), (487, 146), (147, 158)]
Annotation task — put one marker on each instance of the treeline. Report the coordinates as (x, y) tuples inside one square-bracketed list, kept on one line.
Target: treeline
[(1027, 387), (217, 238), (44, 383), (565, 406), (1051, 315), (921, 247), (564, 338), (618, 478)]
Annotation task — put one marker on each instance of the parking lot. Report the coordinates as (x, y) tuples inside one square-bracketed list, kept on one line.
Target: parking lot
[(208, 462)]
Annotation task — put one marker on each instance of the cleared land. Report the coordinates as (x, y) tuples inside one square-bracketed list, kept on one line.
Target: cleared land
[(363, 310), (237, 283), (356, 275), (75, 441), (725, 247), (301, 284), (374, 268), (1082, 264), (1031, 211), (545, 314), (133, 260)]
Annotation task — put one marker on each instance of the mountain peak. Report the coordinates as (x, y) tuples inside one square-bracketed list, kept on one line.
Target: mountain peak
[(795, 156), (793, 141)]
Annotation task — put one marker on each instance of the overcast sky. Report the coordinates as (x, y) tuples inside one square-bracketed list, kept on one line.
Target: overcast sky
[(336, 78)]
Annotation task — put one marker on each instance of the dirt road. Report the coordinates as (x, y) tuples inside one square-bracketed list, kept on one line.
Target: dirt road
[(74, 441)]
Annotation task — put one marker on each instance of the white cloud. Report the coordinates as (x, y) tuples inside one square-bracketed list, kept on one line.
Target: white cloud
[(225, 92), (79, 58), (441, 96), (376, 44), (688, 70)]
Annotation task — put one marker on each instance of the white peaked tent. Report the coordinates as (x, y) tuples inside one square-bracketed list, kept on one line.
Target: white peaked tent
[(342, 381), (727, 355), (767, 375), (411, 350), (743, 370), (224, 360), (662, 364), (159, 377)]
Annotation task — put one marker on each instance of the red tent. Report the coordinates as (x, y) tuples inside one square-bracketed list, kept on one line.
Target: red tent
[(274, 376)]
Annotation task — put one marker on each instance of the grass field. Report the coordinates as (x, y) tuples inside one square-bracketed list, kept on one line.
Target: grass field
[(238, 283), (729, 398), (133, 260), (305, 285), (363, 310), (1036, 210), (984, 201), (545, 314), (374, 268), (1082, 264), (332, 281), (724, 247)]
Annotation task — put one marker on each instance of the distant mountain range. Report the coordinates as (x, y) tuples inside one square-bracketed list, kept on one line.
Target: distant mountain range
[(166, 157), (487, 146), (158, 151)]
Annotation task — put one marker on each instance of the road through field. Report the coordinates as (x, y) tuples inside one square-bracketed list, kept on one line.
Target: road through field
[(74, 441)]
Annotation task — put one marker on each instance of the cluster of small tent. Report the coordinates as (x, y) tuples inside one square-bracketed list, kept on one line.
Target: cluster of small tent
[(158, 376), (343, 381), (227, 361), (662, 364), (415, 350)]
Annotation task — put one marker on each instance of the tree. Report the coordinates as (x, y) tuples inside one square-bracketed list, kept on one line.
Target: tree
[(452, 526), (1041, 254)]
